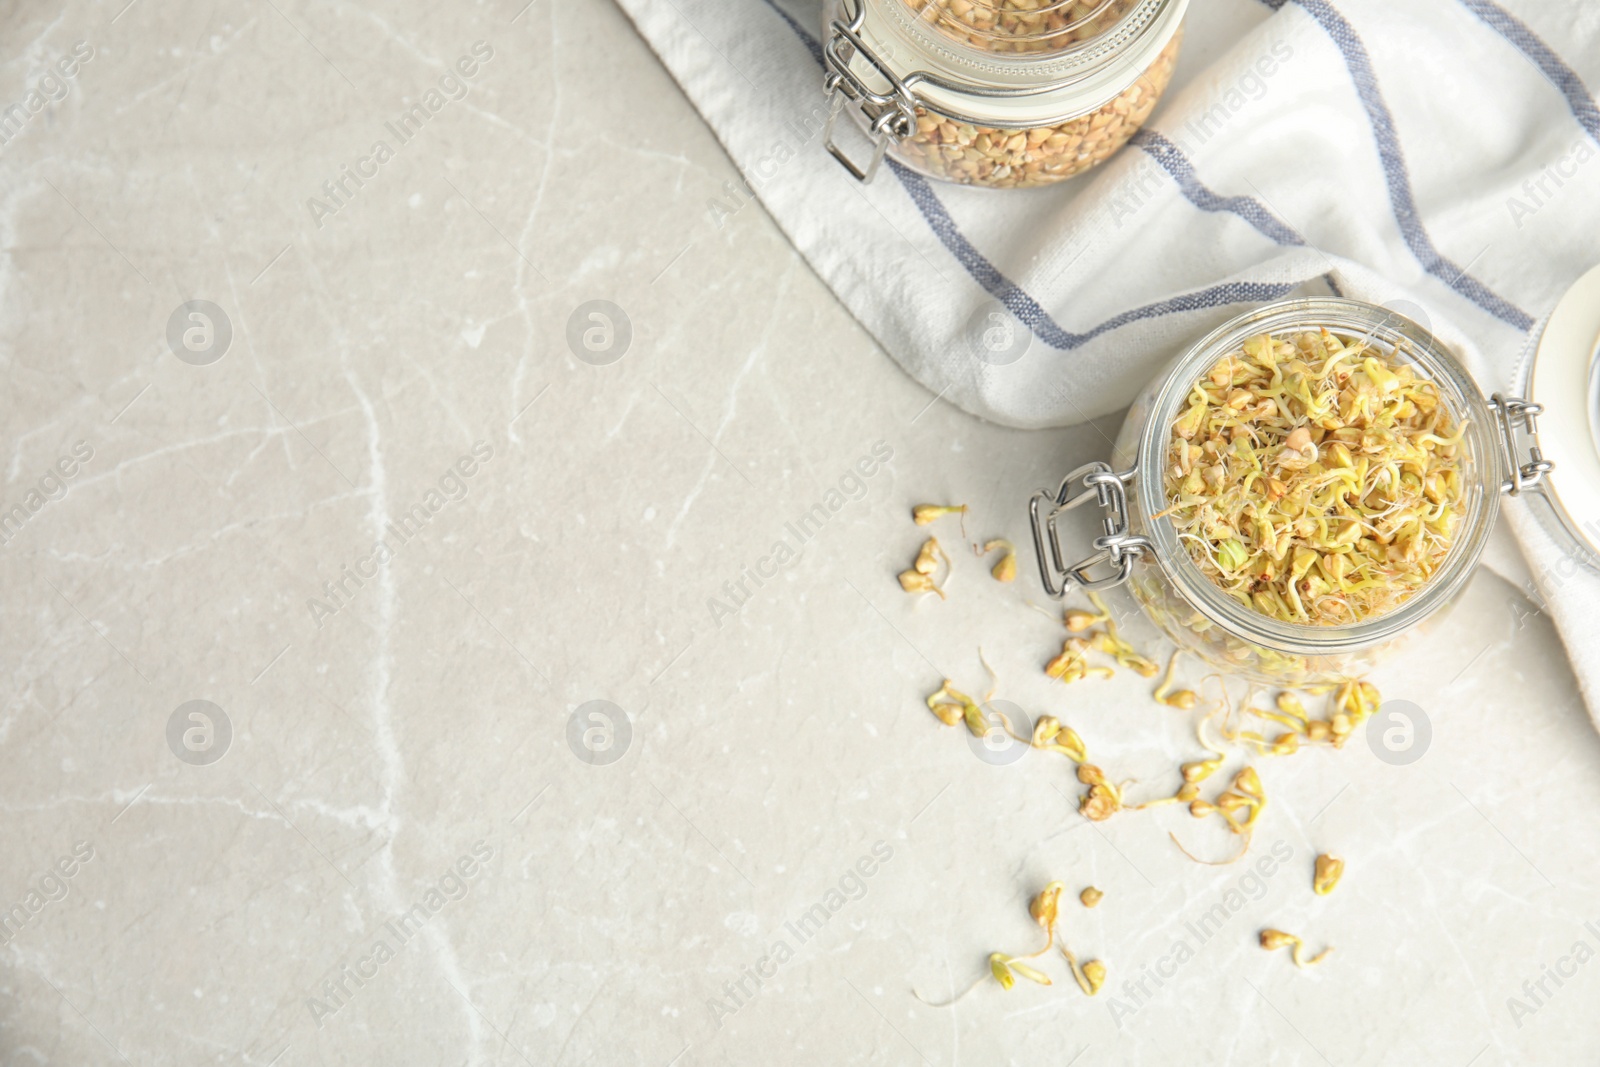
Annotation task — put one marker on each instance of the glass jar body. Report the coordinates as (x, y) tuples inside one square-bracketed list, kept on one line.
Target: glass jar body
[(1065, 99), (1194, 613), (955, 150)]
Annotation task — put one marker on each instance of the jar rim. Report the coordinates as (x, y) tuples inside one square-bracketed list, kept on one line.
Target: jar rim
[(1012, 90), (1391, 332), (940, 41)]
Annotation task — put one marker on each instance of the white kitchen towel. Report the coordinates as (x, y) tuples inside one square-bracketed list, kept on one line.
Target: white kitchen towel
[(1436, 156)]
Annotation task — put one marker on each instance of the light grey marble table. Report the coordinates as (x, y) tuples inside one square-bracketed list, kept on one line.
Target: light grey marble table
[(379, 841)]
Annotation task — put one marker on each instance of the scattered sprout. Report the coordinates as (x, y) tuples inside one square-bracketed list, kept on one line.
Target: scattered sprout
[(1111, 643), (912, 582), (1349, 705), (1078, 620), (1240, 807), (1071, 665), (1046, 907), (1108, 642), (1049, 734), (1001, 972), (1006, 569), (1272, 940), (1103, 799), (1329, 870), (1032, 974), (951, 705), (1183, 699), (1045, 731), (926, 514)]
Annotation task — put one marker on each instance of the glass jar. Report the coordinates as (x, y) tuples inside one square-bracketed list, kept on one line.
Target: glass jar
[(1498, 454), (1004, 94)]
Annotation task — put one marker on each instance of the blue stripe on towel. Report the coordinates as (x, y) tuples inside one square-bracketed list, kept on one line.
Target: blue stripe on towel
[(1175, 163), (1394, 167), (1028, 310), (799, 31), (1541, 55)]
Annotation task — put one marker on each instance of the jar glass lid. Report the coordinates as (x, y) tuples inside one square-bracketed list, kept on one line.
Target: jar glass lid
[(1022, 27), (1010, 64), (1562, 373)]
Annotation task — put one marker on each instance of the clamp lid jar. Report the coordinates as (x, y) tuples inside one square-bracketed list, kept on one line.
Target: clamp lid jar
[(1561, 373), (1353, 528), (997, 93)]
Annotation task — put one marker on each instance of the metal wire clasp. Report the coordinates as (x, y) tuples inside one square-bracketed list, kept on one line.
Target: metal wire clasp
[(1116, 546), (1512, 413), (890, 116)]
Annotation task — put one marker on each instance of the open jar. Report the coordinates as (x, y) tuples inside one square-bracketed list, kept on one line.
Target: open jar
[(997, 93), (1493, 448)]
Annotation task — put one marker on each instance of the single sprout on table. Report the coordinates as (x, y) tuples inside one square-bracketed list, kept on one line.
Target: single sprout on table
[(927, 514), (1314, 478), (1272, 940), (1078, 620), (1183, 699), (1006, 569), (1283, 745), (1003, 967), (1090, 897), (1329, 870), (1094, 977), (1290, 704)]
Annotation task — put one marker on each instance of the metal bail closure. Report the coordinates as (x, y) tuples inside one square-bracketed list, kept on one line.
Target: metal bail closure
[(1116, 546), (1514, 414), (890, 116)]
